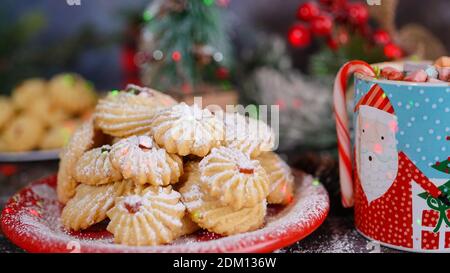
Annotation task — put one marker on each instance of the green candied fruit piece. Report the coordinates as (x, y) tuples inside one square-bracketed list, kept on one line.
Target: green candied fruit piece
[(114, 93), (316, 182), (69, 79), (105, 150), (90, 85)]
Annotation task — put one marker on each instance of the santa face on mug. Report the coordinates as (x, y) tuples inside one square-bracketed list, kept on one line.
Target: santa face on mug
[(384, 174), (376, 151)]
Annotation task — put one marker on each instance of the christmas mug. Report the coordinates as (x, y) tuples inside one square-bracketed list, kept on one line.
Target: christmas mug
[(396, 170)]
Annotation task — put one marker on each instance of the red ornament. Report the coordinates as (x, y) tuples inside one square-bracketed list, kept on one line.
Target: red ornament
[(332, 43), (307, 11), (322, 25), (381, 37), (392, 51), (358, 13), (338, 6), (176, 56), (299, 35), (339, 10), (326, 2), (222, 73)]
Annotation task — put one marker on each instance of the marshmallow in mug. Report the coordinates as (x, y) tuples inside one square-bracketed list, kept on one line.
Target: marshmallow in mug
[(420, 71)]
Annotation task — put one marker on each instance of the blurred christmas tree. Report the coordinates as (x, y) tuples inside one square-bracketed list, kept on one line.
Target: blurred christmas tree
[(15, 53), (184, 44)]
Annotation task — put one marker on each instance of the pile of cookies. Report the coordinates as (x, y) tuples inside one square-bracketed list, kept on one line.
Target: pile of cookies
[(43, 115), (159, 169)]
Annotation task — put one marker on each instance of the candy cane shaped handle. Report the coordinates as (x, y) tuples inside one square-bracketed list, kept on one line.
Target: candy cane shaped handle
[(342, 128)]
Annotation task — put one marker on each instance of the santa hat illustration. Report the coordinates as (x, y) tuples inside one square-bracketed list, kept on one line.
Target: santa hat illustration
[(376, 104)]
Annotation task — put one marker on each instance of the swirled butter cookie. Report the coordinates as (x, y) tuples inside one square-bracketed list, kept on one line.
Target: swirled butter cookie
[(233, 178), (88, 206), (129, 112), (210, 213), (140, 160), (151, 218), (94, 167), (184, 130), (248, 135), (83, 139)]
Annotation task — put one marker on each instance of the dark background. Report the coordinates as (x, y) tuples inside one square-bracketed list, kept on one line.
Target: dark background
[(107, 19)]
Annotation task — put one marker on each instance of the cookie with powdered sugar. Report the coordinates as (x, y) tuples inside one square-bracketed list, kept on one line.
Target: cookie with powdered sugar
[(185, 130), (140, 160), (88, 206), (151, 218), (129, 112), (211, 214), (248, 135), (95, 168), (84, 138), (91, 202), (233, 178)]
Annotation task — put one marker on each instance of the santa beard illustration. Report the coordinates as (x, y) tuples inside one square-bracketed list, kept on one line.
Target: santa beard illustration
[(376, 151)]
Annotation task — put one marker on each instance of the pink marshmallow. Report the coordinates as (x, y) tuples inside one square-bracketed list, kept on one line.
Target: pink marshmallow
[(391, 73), (396, 76), (417, 76), (444, 73), (388, 70)]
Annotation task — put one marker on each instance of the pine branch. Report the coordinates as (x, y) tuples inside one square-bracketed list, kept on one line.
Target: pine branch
[(184, 31), (327, 62)]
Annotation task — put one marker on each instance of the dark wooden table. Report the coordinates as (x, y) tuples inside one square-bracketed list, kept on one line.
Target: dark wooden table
[(337, 234)]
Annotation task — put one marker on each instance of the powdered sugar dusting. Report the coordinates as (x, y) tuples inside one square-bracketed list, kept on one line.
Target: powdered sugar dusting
[(36, 226), (44, 191)]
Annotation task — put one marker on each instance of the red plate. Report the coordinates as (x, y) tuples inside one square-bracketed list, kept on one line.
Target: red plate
[(31, 221)]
